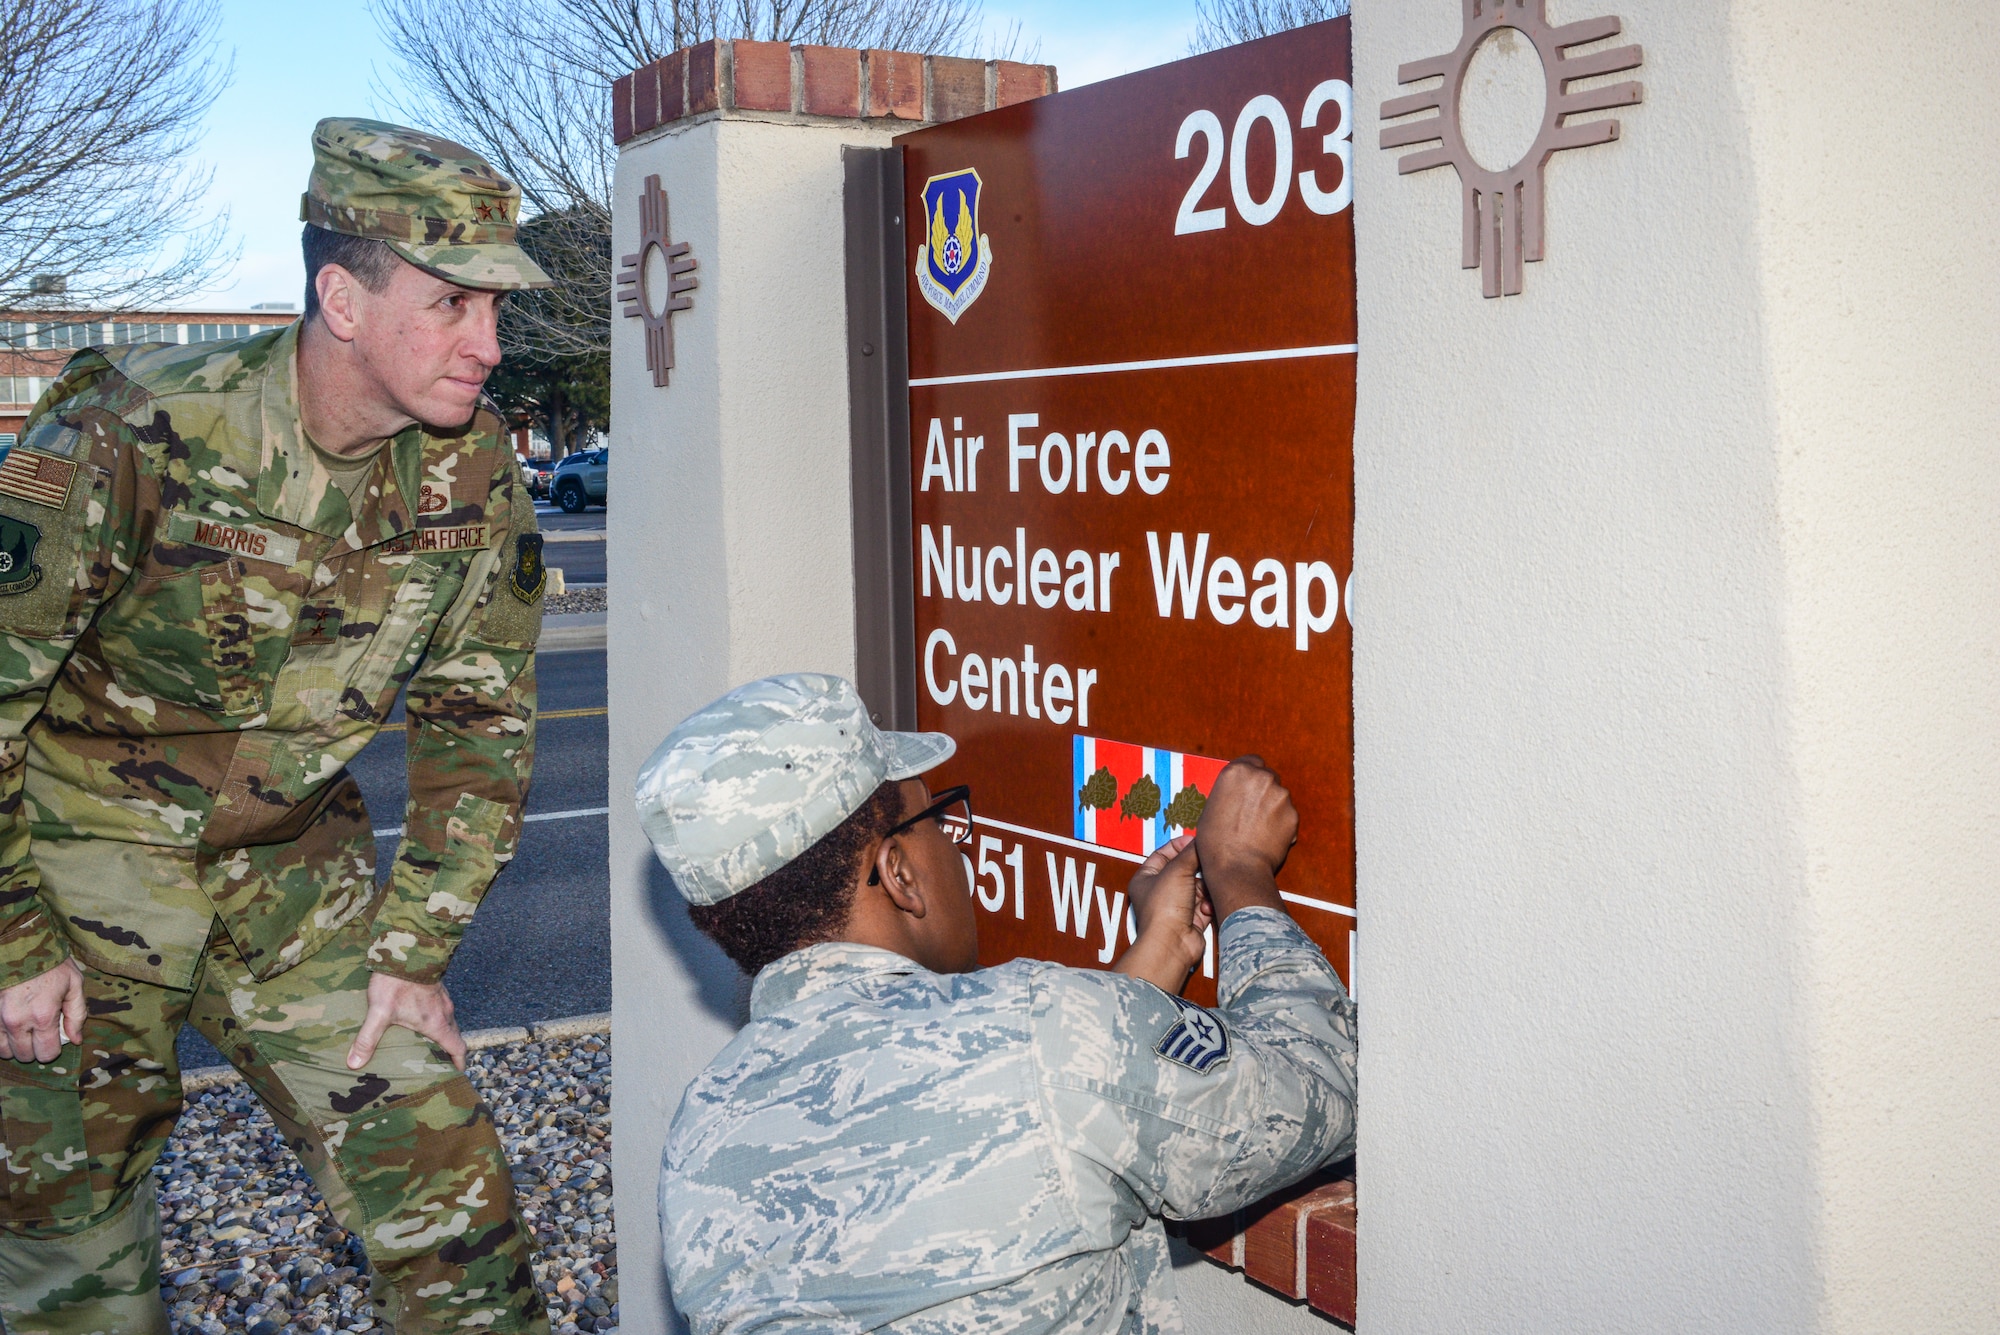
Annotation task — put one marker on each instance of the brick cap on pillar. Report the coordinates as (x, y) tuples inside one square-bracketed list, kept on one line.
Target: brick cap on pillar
[(816, 83), (1299, 1242)]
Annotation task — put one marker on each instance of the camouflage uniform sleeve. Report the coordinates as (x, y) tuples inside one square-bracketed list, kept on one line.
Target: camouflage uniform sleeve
[(1199, 1112), (471, 711), (64, 555)]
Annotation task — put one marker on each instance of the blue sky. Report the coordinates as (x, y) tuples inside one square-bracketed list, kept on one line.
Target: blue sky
[(296, 63)]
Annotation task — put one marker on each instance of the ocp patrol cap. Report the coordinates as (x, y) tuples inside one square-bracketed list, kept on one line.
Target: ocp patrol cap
[(437, 204), (746, 784)]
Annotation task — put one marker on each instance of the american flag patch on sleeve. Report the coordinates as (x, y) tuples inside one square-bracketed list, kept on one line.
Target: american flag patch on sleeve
[(1197, 1040), (36, 477)]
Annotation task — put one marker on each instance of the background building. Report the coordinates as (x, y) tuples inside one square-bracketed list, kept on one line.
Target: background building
[(34, 346)]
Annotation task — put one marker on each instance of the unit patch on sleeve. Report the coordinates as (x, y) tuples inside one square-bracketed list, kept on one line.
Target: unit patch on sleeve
[(1197, 1040), (529, 575), (40, 478), (18, 540)]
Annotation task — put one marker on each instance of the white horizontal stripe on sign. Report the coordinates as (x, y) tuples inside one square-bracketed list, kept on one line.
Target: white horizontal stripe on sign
[(578, 814), (1159, 364), (1118, 853), (1123, 856)]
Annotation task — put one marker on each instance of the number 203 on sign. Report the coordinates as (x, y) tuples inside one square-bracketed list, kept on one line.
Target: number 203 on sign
[(1336, 142)]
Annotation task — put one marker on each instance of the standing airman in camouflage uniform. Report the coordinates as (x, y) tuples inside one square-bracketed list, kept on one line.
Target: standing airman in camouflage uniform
[(899, 1141), (218, 565)]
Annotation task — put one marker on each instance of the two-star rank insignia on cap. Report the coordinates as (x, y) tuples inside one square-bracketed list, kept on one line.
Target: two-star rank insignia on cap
[(529, 575), (1197, 1040)]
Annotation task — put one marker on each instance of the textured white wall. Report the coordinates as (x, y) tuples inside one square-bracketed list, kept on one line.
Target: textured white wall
[(1876, 154), (1676, 698), (730, 558)]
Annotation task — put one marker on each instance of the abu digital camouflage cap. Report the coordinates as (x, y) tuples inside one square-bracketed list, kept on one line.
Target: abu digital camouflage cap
[(744, 785), (439, 205)]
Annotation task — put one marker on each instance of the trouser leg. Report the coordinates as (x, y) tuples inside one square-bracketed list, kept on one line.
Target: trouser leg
[(79, 1222), (404, 1150)]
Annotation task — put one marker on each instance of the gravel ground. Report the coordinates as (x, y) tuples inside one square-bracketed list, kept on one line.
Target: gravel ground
[(576, 600), (249, 1246)]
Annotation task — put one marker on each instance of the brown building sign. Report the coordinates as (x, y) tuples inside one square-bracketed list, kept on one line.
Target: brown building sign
[(1131, 360)]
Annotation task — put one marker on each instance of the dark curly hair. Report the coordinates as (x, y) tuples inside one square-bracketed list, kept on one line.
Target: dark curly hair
[(807, 900)]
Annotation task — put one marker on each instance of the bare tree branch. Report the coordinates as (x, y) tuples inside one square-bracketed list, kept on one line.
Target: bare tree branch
[(101, 103), (529, 86), (1227, 22)]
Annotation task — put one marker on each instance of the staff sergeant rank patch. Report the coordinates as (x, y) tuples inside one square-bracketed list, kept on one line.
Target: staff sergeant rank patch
[(529, 576), (1197, 1041)]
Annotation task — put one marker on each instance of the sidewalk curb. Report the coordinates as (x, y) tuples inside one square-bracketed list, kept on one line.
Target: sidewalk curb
[(572, 630), (543, 1031)]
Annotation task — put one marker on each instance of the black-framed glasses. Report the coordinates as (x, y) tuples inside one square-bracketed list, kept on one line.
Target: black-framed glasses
[(951, 809)]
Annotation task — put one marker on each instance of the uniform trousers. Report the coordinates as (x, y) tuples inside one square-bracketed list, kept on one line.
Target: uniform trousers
[(404, 1151)]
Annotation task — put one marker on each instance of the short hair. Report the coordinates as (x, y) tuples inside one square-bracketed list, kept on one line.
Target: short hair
[(370, 260), (807, 900)]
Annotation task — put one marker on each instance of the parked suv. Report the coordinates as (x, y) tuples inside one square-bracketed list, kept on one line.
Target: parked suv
[(580, 480)]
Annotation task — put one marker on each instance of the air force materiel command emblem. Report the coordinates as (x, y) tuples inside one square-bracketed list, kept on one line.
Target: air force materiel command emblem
[(955, 259), (1197, 1041), (18, 539), (529, 576)]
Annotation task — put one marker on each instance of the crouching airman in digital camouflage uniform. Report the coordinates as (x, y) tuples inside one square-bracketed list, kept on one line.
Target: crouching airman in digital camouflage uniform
[(218, 563), (900, 1141)]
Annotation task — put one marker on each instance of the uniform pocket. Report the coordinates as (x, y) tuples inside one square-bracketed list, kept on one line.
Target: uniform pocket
[(475, 844), (42, 1149), (187, 638)]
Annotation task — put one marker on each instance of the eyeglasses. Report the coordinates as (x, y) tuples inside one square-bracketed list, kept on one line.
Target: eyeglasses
[(951, 809)]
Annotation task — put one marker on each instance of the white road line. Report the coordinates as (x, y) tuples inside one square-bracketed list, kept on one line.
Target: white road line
[(578, 814), (1159, 364), (1119, 853)]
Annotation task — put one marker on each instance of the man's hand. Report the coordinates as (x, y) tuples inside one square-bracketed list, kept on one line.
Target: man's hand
[(1173, 912), (424, 1008), (1248, 827), (37, 1016)]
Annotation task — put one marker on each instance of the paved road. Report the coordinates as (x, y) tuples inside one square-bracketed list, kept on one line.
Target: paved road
[(540, 946), (580, 562)]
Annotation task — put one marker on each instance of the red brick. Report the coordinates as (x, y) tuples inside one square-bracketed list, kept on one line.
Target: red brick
[(1273, 1232), (832, 80), (702, 67), (621, 109), (958, 87), (896, 85), (1014, 82), (763, 76), (673, 86), (1330, 1259), (645, 98)]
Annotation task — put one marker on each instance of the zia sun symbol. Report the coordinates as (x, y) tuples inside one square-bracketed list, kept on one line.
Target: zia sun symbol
[(1503, 209), (635, 286)]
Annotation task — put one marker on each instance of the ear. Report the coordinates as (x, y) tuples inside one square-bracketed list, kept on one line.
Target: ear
[(339, 295), (895, 874)]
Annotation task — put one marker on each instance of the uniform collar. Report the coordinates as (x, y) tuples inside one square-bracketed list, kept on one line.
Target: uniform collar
[(805, 973), (294, 487)]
